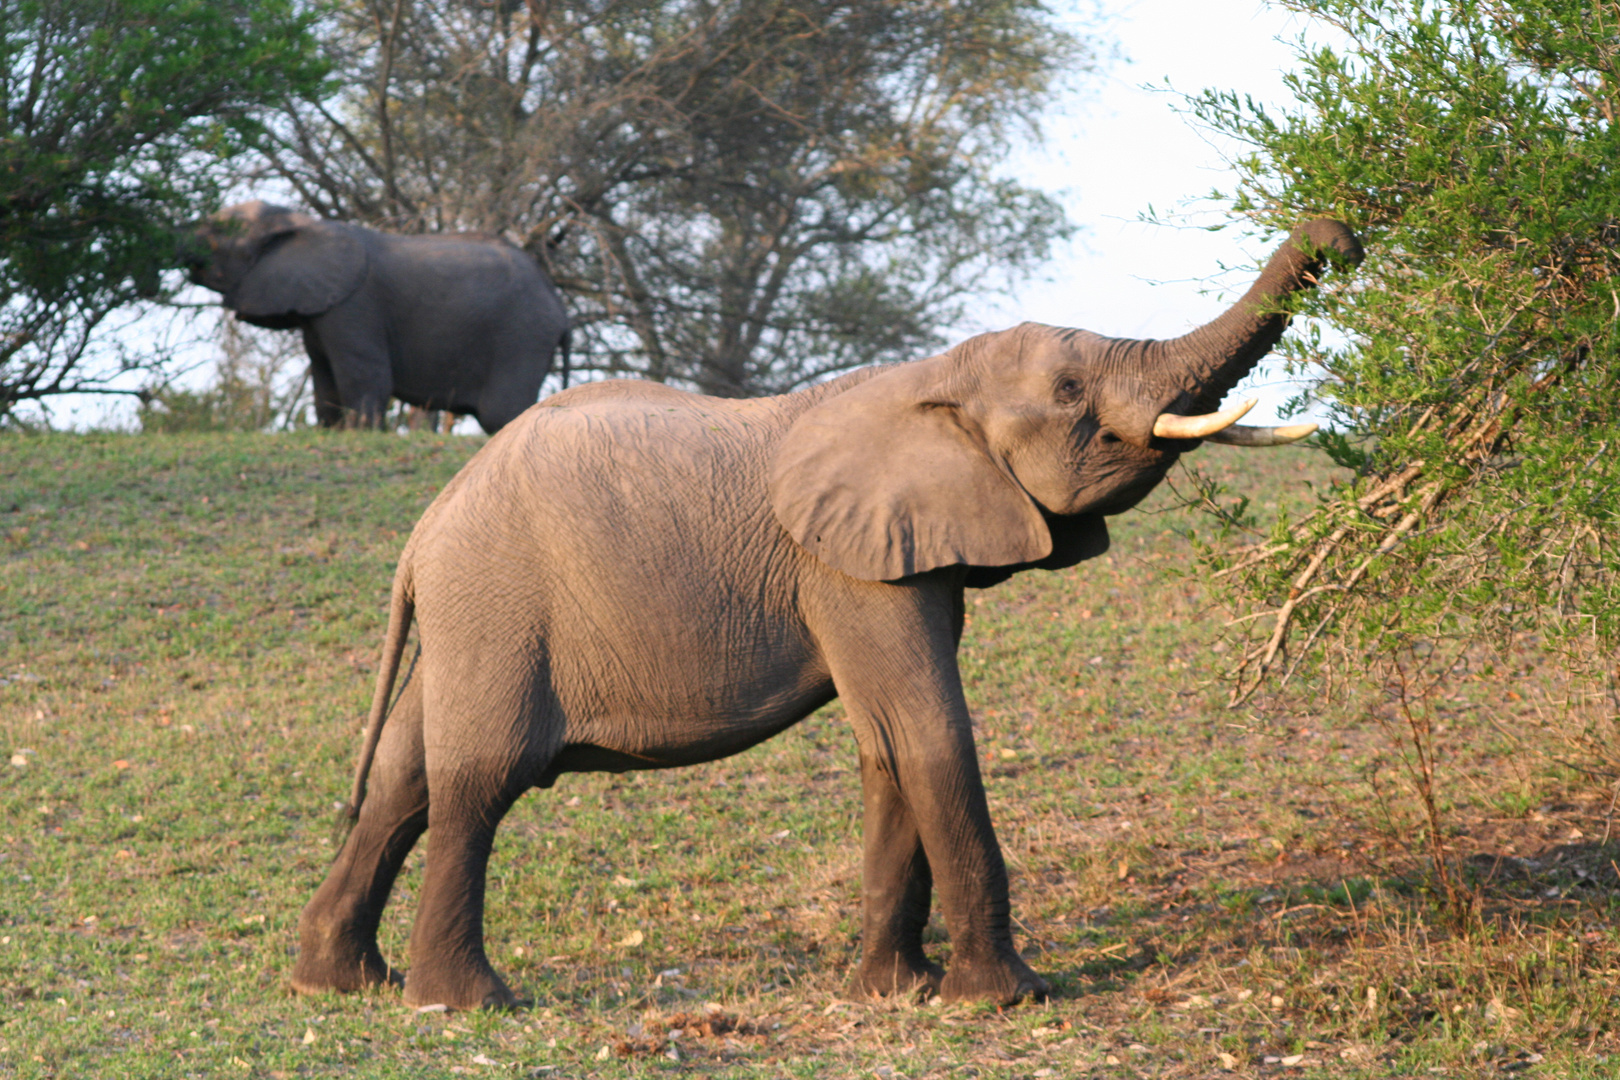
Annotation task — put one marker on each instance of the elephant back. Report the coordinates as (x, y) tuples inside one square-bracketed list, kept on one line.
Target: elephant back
[(305, 271)]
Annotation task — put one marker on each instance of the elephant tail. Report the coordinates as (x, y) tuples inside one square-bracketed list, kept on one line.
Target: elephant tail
[(565, 345), (401, 610)]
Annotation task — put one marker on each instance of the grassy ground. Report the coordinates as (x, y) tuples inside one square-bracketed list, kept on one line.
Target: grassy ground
[(188, 628)]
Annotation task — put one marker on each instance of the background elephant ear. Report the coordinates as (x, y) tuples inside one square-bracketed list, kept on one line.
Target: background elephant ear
[(884, 480), (303, 271)]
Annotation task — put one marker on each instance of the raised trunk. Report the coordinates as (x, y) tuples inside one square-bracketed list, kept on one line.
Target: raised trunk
[(1199, 368)]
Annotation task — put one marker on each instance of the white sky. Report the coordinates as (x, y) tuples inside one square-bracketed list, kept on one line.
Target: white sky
[(1117, 149), (1124, 148)]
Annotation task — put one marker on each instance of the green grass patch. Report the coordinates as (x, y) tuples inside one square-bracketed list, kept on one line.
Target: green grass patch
[(188, 634)]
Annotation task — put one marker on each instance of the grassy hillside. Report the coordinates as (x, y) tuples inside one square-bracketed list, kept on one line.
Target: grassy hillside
[(188, 632)]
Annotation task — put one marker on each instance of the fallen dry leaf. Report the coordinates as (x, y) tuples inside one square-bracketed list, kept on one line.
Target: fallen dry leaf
[(1498, 1012)]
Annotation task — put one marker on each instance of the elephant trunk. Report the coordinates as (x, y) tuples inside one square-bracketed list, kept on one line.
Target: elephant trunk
[(1195, 371)]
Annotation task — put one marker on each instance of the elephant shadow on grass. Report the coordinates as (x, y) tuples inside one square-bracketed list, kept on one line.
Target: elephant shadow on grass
[(1328, 927)]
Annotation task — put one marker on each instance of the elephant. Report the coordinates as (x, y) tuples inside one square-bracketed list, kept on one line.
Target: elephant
[(460, 322), (631, 576)]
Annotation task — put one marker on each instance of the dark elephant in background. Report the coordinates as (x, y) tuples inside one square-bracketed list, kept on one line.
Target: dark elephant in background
[(634, 577), (462, 322)]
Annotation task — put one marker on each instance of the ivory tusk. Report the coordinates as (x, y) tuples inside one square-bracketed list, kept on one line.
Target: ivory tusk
[(1243, 435), (1199, 427)]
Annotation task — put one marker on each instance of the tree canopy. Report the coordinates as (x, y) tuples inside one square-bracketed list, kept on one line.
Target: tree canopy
[(120, 118), (739, 195), (1470, 367)]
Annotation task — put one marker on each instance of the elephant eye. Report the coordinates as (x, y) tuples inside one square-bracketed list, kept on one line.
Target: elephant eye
[(1068, 391)]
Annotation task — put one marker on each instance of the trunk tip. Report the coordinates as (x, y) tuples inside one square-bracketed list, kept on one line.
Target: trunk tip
[(1329, 240)]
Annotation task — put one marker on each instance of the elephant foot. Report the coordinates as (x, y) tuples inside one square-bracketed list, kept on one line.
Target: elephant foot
[(896, 976), (461, 990), (333, 960), (1002, 979)]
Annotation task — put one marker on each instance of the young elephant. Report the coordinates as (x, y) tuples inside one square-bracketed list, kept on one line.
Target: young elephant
[(633, 577)]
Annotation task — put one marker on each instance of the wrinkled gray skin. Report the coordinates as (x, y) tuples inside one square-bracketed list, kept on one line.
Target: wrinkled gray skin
[(463, 322), (633, 577)]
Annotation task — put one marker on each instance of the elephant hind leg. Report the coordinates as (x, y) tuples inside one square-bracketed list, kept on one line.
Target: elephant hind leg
[(448, 962), (896, 892), (337, 933)]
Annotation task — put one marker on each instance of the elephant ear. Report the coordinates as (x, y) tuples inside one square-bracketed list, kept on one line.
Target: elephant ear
[(886, 480), (303, 271)]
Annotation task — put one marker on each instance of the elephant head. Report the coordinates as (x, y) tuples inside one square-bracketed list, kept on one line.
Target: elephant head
[(1035, 430), (273, 265)]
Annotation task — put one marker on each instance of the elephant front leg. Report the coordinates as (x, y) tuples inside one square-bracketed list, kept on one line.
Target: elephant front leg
[(897, 676), (949, 801), (937, 775), (895, 895), (337, 933)]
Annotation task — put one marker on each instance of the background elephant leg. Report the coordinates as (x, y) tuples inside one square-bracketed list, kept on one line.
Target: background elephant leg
[(897, 884), (448, 963), (356, 350), (512, 386), (328, 406), (337, 933)]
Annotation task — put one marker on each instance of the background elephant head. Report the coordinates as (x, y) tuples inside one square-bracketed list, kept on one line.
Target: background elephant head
[(273, 265)]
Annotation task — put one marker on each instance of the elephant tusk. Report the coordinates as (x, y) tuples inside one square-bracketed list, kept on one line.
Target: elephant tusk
[(1243, 435), (1168, 426)]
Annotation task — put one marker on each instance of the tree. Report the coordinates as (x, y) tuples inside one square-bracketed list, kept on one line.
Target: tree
[(1473, 379), (741, 195), (121, 118)]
